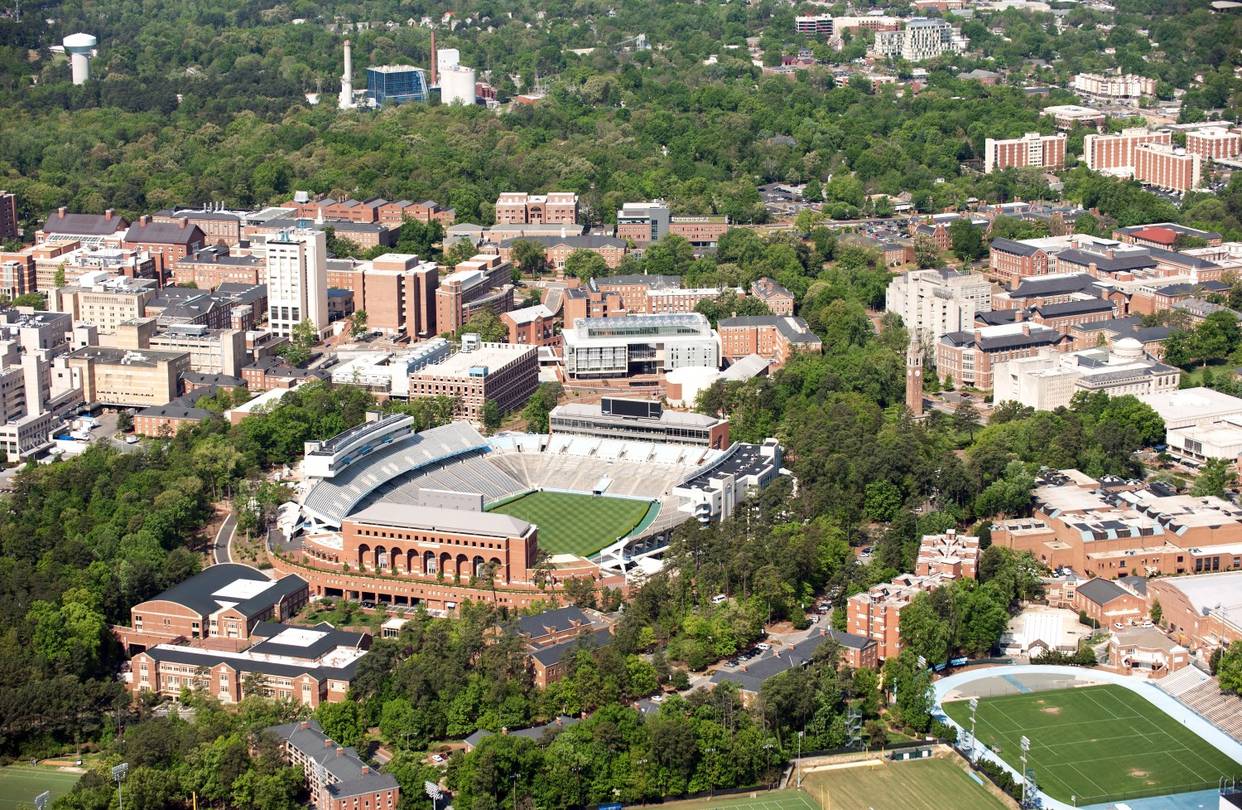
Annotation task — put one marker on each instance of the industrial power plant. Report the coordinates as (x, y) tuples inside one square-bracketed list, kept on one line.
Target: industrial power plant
[(398, 84)]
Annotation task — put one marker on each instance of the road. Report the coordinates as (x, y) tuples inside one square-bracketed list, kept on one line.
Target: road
[(220, 551)]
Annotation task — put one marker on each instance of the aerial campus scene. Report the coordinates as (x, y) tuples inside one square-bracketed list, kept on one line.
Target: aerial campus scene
[(748, 404)]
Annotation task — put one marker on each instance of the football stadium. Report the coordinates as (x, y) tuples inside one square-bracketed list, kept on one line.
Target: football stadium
[(388, 514), (1088, 737)]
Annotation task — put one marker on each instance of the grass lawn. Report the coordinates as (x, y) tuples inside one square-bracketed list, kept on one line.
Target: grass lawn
[(921, 784), (764, 800), (19, 784), (1097, 743), (576, 524)]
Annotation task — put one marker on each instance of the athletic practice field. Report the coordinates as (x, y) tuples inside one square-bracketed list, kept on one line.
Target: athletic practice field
[(576, 524), (764, 800), (19, 784), (921, 784), (1097, 743)]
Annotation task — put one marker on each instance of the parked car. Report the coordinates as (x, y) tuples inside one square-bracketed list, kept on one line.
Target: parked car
[(763, 646), (718, 598)]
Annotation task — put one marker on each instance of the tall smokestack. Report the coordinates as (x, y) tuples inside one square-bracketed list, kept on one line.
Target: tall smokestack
[(346, 100), (435, 68)]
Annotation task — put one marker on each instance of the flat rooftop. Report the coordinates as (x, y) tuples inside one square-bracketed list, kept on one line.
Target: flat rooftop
[(488, 356), (1192, 403), (665, 419), (430, 518)]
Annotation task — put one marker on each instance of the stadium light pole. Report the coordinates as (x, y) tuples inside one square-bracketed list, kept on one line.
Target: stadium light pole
[(119, 773), (799, 759), (974, 742), (1025, 742)]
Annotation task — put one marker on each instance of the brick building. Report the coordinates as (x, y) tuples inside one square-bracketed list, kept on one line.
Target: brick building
[(531, 326), (481, 372), (1214, 143), (167, 242), (217, 226), (212, 266), (968, 358), (1010, 261), (482, 282), (773, 337), (396, 290), (778, 299), (1032, 149), (1108, 602), (1167, 168), (876, 613), (556, 249), (1115, 153), (96, 230), (335, 777), (8, 216), (952, 554), (554, 208)]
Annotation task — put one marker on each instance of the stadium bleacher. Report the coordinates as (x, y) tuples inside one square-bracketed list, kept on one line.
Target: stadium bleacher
[(1201, 693)]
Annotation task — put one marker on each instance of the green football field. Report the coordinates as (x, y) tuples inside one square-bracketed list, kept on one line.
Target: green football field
[(19, 784), (1097, 743), (921, 784), (763, 800), (576, 524)]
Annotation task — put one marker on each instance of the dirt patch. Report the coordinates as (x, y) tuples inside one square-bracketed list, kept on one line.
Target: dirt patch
[(1137, 774), (1054, 710)]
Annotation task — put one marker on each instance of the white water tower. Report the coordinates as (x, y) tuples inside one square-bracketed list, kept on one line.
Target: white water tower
[(457, 85), (80, 47)]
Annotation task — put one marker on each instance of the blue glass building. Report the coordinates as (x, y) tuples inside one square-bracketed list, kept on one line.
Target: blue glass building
[(396, 84)]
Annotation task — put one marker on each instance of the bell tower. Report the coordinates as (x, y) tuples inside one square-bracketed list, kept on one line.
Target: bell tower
[(914, 379)]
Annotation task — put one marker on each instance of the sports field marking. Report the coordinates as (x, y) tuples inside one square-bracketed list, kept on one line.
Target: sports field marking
[(19, 784), (775, 800), (1109, 744), (575, 523)]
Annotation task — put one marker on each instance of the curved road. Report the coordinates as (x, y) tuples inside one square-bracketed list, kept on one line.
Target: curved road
[(220, 552)]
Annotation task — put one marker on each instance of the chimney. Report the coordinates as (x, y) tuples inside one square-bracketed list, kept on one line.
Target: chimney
[(60, 212), (340, 752), (1026, 328), (366, 769), (184, 222), (107, 214), (1019, 315), (305, 724), (145, 219), (327, 743)]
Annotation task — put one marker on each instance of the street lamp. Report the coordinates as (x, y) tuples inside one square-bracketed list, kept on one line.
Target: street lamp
[(119, 773)]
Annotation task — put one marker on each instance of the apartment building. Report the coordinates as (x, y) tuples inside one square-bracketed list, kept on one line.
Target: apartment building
[(639, 344), (968, 358), (949, 554), (633, 289), (934, 302), (8, 216), (1032, 149), (125, 378), (1114, 154), (335, 777), (479, 373), (1114, 85), (921, 38), (297, 280), (1050, 379), (876, 613), (482, 282), (668, 300), (1011, 261), (1103, 531), (773, 337), (1167, 168), (396, 290), (17, 274), (427, 211), (554, 208), (778, 299), (817, 25), (1214, 143)]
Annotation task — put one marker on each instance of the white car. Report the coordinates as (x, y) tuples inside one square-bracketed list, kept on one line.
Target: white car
[(718, 598), (437, 759), (131, 439), (764, 646)]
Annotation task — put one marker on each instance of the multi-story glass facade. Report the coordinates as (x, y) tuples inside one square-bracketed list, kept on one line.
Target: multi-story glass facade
[(396, 84)]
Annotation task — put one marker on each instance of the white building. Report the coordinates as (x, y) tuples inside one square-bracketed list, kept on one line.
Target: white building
[(933, 303), (639, 344), (1196, 444), (1114, 86), (1050, 379), (1193, 407), (922, 38), (297, 280), (457, 85)]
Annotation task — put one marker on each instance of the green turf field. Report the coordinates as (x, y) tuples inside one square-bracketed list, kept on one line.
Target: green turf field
[(921, 784), (764, 800), (576, 524), (19, 784), (1098, 743)]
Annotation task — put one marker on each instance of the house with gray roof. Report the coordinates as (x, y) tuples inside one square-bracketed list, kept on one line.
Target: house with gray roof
[(335, 776)]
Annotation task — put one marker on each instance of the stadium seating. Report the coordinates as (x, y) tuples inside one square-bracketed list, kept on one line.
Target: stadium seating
[(1201, 693)]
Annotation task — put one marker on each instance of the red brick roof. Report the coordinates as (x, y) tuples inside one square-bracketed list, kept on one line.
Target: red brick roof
[(1163, 236)]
